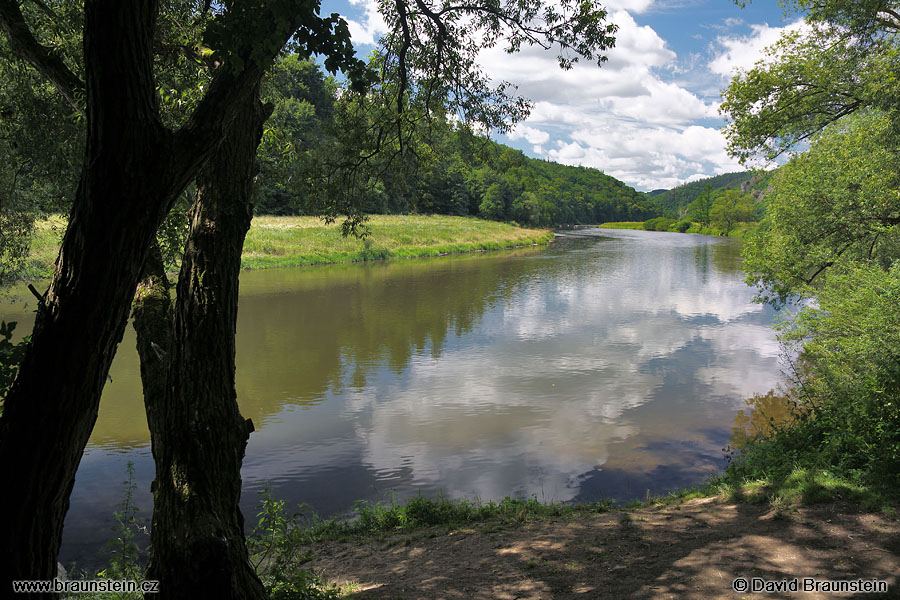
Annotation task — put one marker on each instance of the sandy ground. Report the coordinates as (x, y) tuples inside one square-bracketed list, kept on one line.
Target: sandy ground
[(693, 551)]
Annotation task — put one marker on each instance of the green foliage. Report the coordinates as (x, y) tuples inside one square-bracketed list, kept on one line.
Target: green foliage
[(440, 168), (125, 553), (829, 234), (494, 204), (844, 62), (40, 138), (731, 208), (674, 201), (11, 355), (682, 226), (699, 209), (274, 546), (658, 224), (835, 204), (303, 101), (849, 376)]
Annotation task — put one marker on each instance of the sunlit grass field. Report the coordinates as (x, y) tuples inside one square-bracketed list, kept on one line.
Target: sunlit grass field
[(44, 248), (623, 225), (296, 241)]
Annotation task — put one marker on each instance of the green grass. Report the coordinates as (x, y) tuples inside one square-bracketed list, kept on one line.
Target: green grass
[(623, 225), (802, 486), (740, 231), (375, 519), (44, 248), (297, 241)]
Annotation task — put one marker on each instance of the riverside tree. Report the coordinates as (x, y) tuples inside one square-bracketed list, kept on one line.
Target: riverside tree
[(844, 61), (134, 168), (731, 208), (830, 232)]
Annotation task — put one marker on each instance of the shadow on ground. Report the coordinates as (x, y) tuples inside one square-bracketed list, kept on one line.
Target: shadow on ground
[(692, 551)]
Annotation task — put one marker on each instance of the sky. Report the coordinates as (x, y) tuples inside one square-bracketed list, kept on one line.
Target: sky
[(650, 115)]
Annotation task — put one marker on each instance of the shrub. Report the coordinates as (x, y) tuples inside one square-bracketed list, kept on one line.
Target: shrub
[(658, 224), (847, 388)]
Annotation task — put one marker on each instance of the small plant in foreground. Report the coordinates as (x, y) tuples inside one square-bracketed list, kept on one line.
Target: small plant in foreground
[(125, 553), (274, 549)]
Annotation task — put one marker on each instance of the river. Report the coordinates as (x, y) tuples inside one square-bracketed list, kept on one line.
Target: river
[(608, 365)]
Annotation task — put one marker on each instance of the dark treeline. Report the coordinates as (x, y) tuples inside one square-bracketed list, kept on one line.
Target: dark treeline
[(455, 173)]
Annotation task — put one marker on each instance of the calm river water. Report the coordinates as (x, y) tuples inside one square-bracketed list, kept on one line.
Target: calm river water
[(604, 366)]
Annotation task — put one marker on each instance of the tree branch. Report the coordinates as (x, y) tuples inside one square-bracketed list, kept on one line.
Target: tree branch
[(45, 60)]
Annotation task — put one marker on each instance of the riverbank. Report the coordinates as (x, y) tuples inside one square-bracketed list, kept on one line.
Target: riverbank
[(740, 230), (697, 543), (695, 549), (300, 241)]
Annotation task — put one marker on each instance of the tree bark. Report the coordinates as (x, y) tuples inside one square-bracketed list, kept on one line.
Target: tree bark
[(134, 168), (124, 190), (152, 314), (198, 434)]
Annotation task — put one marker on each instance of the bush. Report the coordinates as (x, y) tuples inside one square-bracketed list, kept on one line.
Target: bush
[(274, 545), (683, 226), (658, 224), (10, 356), (847, 388)]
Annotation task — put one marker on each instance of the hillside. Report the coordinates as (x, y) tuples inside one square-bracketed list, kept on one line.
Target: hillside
[(467, 175), (672, 201)]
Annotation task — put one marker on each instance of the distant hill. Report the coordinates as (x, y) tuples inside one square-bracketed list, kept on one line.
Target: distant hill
[(672, 201)]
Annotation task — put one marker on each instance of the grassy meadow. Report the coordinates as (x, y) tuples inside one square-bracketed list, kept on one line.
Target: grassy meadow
[(623, 225), (297, 241), (740, 230)]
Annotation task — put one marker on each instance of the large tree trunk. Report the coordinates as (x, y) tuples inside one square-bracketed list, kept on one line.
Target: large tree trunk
[(134, 168), (199, 437), (125, 189)]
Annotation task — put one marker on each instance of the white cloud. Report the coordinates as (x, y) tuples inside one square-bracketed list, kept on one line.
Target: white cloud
[(622, 118), (635, 6), (637, 44), (371, 27), (630, 118), (532, 135), (742, 52)]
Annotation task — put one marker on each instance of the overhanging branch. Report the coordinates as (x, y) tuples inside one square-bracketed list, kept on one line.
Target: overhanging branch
[(47, 62)]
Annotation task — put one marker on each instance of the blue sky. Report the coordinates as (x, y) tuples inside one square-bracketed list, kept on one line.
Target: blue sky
[(649, 116)]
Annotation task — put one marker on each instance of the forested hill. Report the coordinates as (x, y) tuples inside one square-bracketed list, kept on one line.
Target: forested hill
[(455, 172), (502, 183), (672, 201), (479, 177)]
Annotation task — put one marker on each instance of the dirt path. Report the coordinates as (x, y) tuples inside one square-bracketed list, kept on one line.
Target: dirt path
[(692, 551)]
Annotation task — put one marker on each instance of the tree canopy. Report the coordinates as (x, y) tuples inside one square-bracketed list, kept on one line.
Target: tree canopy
[(844, 60), (834, 204), (830, 236)]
